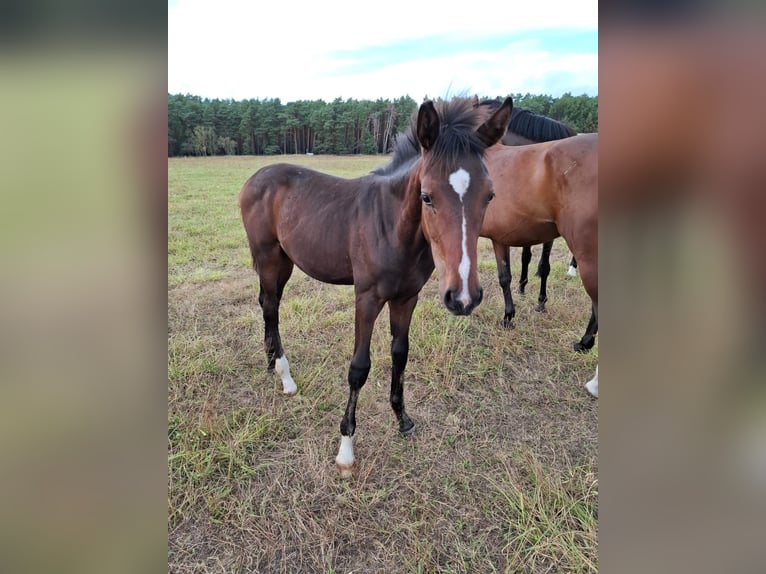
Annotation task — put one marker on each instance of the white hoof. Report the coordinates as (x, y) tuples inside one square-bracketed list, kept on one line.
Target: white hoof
[(282, 367), (345, 459), (592, 385)]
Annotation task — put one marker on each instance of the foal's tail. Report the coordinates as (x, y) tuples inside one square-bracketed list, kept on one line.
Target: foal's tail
[(252, 253), (256, 204), (245, 205)]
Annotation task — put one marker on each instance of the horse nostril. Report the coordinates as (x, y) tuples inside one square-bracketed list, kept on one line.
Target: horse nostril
[(449, 298), (479, 296)]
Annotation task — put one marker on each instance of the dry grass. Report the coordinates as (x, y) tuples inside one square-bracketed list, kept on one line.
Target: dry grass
[(500, 475)]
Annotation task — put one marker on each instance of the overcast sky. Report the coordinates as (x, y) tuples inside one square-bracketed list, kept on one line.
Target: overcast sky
[(310, 50)]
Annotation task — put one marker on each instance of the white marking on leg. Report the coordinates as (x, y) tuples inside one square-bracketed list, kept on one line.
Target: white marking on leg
[(592, 385), (345, 458), (460, 180), (282, 367), (572, 271)]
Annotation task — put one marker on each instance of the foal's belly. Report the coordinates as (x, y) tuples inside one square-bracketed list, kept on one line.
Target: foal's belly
[(329, 268), (325, 261)]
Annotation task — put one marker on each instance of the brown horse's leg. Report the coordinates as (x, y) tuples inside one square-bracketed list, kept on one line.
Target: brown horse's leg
[(502, 258), (588, 267), (592, 385), (368, 308), (526, 258), (401, 315), (572, 271), (543, 270), (274, 269), (589, 338)]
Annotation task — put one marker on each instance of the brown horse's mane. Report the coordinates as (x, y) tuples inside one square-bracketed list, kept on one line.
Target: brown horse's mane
[(532, 126), (457, 136)]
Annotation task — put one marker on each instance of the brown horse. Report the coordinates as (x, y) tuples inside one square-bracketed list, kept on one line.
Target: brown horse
[(527, 128), (544, 191), (383, 233)]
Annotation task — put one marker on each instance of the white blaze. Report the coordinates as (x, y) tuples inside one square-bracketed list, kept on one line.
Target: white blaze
[(460, 180), (282, 368)]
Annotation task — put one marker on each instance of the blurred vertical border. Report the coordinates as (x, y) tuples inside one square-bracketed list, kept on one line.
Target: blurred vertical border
[(682, 192), (83, 300)]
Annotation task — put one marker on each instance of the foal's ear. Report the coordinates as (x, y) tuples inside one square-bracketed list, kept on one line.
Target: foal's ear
[(428, 125), (494, 128)]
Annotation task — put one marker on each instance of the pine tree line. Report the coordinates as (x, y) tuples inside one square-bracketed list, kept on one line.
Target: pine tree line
[(198, 126)]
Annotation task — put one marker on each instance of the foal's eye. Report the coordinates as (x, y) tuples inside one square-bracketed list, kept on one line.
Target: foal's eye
[(491, 197), (426, 199)]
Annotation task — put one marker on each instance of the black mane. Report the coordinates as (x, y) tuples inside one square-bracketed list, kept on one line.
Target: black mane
[(458, 125), (536, 127), (458, 121), (533, 126)]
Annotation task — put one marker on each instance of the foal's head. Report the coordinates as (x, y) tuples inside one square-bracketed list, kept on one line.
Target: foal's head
[(455, 189)]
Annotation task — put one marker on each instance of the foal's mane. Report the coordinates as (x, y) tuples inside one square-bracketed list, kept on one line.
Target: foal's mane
[(533, 126), (458, 120)]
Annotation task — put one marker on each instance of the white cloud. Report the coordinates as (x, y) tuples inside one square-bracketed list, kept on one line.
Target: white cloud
[(241, 50)]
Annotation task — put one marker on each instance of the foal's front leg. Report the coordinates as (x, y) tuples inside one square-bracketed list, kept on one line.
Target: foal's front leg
[(368, 308), (401, 315)]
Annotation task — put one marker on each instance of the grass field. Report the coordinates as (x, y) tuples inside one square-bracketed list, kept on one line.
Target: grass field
[(501, 474)]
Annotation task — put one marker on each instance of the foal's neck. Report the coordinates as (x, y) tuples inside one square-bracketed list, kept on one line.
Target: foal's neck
[(409, 228)]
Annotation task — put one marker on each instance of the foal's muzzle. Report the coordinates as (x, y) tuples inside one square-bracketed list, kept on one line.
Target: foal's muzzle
[(457, 307)]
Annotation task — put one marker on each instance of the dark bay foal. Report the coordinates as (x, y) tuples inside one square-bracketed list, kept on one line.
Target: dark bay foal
[(384, 233)]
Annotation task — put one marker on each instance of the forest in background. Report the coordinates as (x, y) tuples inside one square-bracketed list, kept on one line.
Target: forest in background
[(202, 127)]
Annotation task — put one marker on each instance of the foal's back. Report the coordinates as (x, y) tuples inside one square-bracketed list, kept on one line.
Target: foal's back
[(308, 214)]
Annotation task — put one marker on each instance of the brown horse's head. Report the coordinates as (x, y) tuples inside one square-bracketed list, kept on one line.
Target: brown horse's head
[(455, 189)]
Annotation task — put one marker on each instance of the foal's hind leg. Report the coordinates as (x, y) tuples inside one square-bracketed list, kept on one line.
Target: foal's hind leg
[(502, 256), (368, 308), (589, 338), (274, 269), (401, 315), (543, 270), (526, 258)]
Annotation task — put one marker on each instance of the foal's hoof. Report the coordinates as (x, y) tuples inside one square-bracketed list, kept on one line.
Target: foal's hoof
[(508, 322), (406, 426), (346, 470), (541, 308)]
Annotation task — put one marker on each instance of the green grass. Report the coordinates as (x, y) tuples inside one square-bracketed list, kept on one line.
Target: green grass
[(500, 475)]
